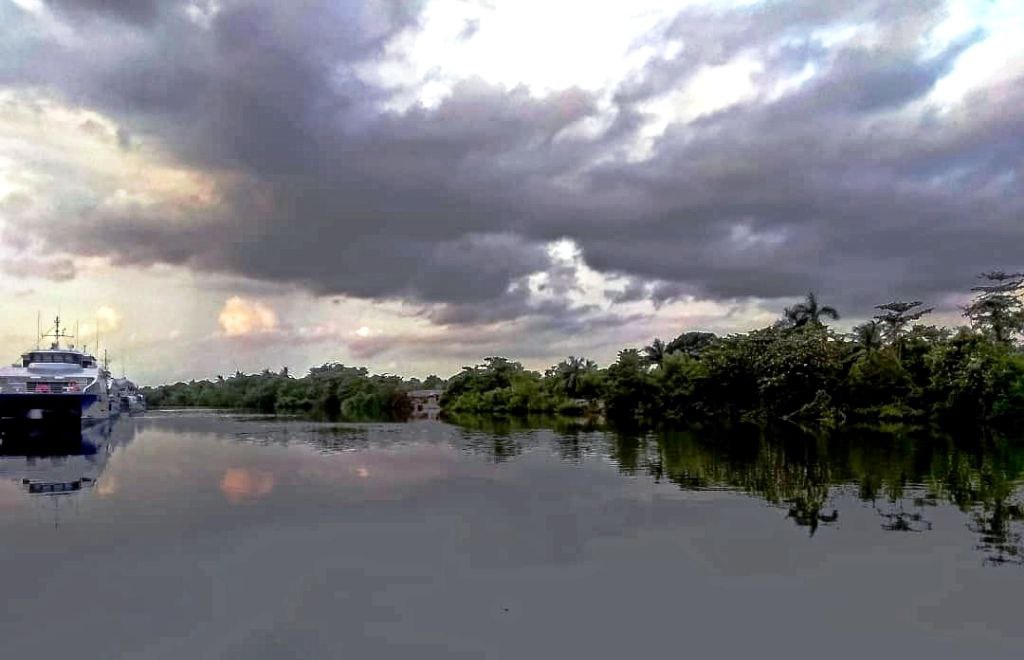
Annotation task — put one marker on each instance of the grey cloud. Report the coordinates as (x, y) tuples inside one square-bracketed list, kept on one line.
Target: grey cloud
[(633, 291), (515, 304), (552, 337), (774, 202), (130, 11), (835, 186), (470, 28), (56, 269), (124, 139)]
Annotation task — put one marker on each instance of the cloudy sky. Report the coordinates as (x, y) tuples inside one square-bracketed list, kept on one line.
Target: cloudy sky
[(414, 184)]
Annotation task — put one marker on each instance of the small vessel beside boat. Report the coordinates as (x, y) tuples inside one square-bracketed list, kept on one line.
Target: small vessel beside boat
[(128, 395), (59, 384)]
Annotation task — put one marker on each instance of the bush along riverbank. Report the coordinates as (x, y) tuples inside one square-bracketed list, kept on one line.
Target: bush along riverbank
[(332, 389)]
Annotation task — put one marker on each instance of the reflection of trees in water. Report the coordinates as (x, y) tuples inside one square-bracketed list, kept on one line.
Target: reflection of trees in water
[(999, 538), (626, 450), (898, 519), (901, 474), (499, 438), (796, 475), (503, 449), (985, 482), (502, 438)]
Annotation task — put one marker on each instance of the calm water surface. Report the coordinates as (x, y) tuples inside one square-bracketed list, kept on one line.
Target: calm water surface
[(204, 535)]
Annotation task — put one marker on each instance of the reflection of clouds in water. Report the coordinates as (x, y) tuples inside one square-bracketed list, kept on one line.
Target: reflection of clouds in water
[(107, 485), (10, 495), (379, 474), (241, 484)]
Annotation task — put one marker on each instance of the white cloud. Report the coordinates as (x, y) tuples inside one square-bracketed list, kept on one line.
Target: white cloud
[(545, 46), (108, 319)]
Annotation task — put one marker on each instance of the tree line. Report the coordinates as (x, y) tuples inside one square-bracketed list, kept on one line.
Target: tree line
[(893, 368), (331, 389)]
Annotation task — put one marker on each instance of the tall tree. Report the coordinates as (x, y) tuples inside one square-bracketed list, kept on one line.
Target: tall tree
[(895, 316), (630, 390), (691, 343), (809, 312), (654, 355), (997, 309)]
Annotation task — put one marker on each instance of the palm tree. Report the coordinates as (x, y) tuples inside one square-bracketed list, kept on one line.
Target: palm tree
[(868, 337), (655, 353), (809, 312), (569, 373)]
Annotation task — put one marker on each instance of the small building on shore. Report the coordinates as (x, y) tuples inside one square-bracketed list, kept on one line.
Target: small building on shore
[(426, 404)]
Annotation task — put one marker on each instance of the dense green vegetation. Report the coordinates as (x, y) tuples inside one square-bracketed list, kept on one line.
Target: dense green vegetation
[(890, 369), (332, 389)]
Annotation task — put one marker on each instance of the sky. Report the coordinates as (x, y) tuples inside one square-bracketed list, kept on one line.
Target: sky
[(209, 186)]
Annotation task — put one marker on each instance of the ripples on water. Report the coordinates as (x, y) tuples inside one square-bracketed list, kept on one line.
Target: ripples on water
[(204, 534)]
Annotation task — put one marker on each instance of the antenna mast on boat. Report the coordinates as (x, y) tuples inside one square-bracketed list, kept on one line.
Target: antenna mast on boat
[(57, 334)]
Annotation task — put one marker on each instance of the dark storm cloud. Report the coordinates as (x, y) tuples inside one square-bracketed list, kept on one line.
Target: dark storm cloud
[(334, 196), (842, 185), (829, 187), (765, 200), (131, 11), (633, 291)]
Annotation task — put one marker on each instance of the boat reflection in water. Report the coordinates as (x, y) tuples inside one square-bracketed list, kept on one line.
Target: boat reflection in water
[(53, 460)]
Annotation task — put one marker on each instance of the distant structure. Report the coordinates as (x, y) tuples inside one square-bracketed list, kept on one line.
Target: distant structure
[(426, 404)]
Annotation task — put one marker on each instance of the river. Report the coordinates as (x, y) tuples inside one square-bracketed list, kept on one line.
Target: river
[(200, 534)]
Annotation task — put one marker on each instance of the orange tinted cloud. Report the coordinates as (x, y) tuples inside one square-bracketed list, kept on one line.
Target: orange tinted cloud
[(240, 317)]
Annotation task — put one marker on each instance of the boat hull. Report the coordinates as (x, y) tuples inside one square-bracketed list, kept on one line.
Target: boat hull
[(56, 409)]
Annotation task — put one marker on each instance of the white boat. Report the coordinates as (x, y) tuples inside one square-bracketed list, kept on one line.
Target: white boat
[(57, 384), (129, 397)]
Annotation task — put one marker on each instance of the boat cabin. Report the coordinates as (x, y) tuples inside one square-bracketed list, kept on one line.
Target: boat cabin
[(58, 357)]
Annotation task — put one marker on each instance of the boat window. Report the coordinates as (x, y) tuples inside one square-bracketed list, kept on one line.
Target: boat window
[(63, 358)]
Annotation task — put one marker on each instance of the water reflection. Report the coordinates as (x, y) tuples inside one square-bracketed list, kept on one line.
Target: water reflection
[(901, 474), (243, 484), (254, 537), (60, 464), (49, 461), (810, 479)]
